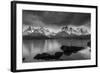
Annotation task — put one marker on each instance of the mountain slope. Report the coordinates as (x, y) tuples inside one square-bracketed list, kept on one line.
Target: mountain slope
[(66, 32)]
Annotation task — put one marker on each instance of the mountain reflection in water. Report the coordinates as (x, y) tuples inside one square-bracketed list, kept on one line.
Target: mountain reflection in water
[(31, 48)]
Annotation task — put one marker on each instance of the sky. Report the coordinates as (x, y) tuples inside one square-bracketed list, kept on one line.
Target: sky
[(55, 20)]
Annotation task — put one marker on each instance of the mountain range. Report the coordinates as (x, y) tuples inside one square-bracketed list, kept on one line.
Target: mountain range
[(65, 32)]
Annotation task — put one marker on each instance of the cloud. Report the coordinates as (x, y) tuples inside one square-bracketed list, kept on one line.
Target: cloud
[(30, 19), (81, 18), (51, 18), (57, 18)]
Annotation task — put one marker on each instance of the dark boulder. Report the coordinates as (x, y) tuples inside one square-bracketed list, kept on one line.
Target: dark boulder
[(89, 44), (75, 49), (46, 56), (43, 56), (38, 56), (23, 59), (58, 55), (68, 50), (65, 48)]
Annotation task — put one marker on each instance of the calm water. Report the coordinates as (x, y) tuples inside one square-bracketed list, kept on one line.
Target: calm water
[(32, 47)]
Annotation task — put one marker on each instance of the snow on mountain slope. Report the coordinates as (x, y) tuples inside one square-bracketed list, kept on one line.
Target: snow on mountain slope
[(76, 30), (38, 30), (65, 31)]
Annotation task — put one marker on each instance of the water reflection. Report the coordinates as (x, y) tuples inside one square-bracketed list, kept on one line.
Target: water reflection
[(33, 47)]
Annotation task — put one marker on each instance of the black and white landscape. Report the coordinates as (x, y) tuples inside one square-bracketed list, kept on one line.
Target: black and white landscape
[(55, 36)]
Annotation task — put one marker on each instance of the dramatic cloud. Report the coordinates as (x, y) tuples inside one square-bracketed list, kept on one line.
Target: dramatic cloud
[(55, 19)]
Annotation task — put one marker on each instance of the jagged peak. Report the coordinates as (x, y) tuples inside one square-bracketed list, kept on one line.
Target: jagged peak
[(77, 30)]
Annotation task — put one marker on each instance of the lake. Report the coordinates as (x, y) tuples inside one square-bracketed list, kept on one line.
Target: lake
[(37, 46)]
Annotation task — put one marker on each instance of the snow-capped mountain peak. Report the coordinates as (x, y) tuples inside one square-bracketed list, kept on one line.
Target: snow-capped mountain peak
[(40, 30), (76, 30), (64, 31)]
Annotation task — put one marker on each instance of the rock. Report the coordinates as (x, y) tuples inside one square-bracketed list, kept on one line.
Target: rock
[(89, 44), (68, 50), (23, 59), (64, 48), (58, 55), (46, 56), (43, 56), (38, 56)]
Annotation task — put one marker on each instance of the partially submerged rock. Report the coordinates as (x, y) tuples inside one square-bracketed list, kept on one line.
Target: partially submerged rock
[(89, 44), (68, 50)]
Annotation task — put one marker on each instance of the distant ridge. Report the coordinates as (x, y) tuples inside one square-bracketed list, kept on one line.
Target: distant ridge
[(66, 32)]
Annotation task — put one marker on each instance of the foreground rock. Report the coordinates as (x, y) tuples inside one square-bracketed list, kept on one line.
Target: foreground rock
[(68, 50), (89, 44), (46, 56), (43, 56)]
